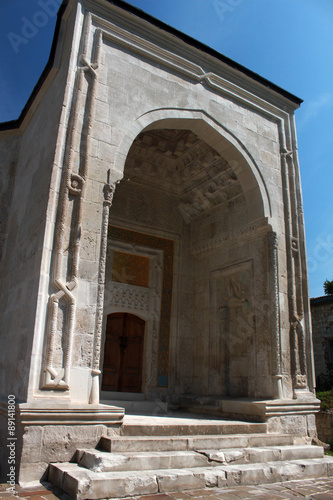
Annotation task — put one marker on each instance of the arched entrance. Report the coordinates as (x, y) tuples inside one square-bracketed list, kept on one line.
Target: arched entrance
[(192, 187), (123, 353)]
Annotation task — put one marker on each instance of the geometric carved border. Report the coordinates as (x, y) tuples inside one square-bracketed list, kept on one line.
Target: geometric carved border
[(130, 296), (167, 246)]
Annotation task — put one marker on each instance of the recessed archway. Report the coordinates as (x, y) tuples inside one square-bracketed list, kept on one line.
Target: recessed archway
[(186, 183), (217, 137)]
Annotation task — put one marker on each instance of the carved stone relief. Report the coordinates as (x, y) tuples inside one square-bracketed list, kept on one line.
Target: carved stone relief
[(125, 296), (179, 163), (62, 302), (233, 310)]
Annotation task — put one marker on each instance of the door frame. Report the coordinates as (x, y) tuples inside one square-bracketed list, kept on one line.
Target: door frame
[(146, 304), (122, 354)]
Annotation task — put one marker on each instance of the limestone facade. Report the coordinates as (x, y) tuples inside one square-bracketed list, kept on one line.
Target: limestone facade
[(150, 177)]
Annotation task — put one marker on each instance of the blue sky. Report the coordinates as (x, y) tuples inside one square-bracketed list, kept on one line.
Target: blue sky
[(289, 42)]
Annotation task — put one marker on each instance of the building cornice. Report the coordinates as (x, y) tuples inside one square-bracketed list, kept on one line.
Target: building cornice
[(126, 12), (210, 68)]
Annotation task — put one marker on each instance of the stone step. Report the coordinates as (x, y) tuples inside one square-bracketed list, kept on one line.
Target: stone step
[(262, 454), (122, 396), (138, 407), (183, 443), (101, 461), (83, 484), (191, 429)]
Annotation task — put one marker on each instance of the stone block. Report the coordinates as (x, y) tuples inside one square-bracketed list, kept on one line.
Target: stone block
[(249, 474), (32, 443), (150, 444), (101, 131), (107, 462), (115, 486), (32, 473), (329, 466), (60, 442), (299, 452), (178, 480), (102, 112)]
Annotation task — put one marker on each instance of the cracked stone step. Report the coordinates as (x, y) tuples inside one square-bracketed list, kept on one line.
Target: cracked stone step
[(182, 443), (83, 484), (263, 454), (101, 461)]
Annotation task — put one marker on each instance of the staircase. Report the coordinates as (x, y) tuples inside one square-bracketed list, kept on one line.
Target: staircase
[(160, 454)]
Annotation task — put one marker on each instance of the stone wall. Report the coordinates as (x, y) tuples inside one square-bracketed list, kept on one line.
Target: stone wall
[(324, 422), (22, 266), (322, 333), (9, 146)]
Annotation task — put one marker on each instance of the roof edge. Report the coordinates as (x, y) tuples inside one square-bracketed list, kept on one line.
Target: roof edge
[(15, 124), (316, 301)]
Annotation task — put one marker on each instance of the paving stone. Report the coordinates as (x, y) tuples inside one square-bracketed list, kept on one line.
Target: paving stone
[(200, 493), (323, 496), (159, 496), (180, 495)]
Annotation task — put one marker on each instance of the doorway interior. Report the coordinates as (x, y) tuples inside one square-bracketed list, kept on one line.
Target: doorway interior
[(123, 354)]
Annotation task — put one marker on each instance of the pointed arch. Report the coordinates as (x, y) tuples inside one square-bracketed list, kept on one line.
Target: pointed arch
[(216, 136)]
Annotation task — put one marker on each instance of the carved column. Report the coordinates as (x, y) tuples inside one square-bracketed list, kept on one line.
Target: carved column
[(297, 335), (109, 190), (276, 340), (65, 265)]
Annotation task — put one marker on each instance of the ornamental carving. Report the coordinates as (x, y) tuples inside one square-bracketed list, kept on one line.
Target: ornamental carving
[(124, 296)]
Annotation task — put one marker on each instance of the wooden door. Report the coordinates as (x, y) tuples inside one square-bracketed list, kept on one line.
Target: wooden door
[(123, 355)]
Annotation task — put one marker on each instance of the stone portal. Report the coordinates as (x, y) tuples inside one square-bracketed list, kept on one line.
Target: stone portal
[(151, 240)]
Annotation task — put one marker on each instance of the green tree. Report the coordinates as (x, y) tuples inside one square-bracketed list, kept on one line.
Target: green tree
[(328, 287)]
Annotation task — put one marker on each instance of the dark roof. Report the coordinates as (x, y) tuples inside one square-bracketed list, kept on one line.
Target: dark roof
[(147, 17), (316, 301)]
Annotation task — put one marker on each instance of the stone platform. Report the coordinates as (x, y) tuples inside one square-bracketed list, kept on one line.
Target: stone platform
[(152, 455)]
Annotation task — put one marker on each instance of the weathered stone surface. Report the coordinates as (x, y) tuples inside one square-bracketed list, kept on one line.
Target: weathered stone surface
[(322, 331), (324, 422), (198, 178), (179, 480), (83, 484), (103, 461)]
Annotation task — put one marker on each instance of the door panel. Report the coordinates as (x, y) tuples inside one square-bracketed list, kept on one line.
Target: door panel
[(112, 352), (123, 357), (132, 367)]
